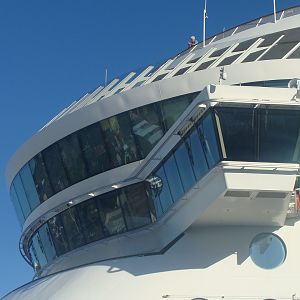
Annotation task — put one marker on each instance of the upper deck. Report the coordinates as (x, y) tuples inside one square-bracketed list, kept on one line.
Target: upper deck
[(153, 73)]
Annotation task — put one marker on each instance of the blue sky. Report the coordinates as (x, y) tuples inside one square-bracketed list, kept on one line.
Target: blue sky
[(53, 52)]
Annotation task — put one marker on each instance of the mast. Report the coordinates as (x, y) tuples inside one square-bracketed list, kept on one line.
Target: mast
[(204, 23), (274, 5)]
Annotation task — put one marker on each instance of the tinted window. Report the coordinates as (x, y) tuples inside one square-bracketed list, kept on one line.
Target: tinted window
[(173, 108), (184, 166), (16, 204), (90, 221), (135, 204), (209, 140), (21, 195), (55, 168), (111, 213), (146, 127), (162, 193), (40, 177), (46, 240), (72, 228), (72, 158), (238, 129), (29, 186), (94, 150), (58, 235), (279, 138), (196, 154), (120, 140), (173, 178)]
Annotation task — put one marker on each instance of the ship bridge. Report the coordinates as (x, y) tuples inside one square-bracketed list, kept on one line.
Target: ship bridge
[(130, 167)]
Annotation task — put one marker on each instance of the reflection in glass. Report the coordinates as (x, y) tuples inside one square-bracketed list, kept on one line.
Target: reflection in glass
[(90, 221), (56, 171), (209, 140), (146, 127), (58, 235), (154, 185), (93, 149), (135, 205), (72, 159), (21, 195), (72, 228), (196, 155), (184, 166), (16, 204), (172, 108), (46, 241), (119, 139), (267, 251), (279, 137), (173, 178), (29, 187), (40, 177), (164, 197), (111, 213), (239, 131), (37, 252)]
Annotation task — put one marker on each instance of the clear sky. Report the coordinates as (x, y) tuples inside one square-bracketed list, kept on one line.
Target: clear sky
[(53, 52)]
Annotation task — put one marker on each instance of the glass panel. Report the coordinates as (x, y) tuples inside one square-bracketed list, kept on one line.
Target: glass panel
[(40, 178), (72, 159), (119, 139), (172, 108), (239, 132), (135, 204), (15, 201), (162, 192), (173, 178), (21, 196), (196, 154), (209, 140), (34, 258), (93, 149), (55, 168), (146, 127), (39, 250), (279, 135), (58, 235), (278, 51), (90, 221), (154, 186), (72, 228), (254, 55), (46, 239), (267, 251), (111, 213), (228, 60), (184, 166), (29, 187), (295, 54)]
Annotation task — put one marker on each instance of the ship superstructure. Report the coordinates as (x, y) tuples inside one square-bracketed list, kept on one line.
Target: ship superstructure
[(178, 182)]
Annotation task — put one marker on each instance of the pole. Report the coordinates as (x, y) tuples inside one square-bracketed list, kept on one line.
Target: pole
[(105, 80), (204, 23), (274, 4)]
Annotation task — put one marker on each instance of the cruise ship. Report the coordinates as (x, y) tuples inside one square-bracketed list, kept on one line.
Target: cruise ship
[(177, 182)]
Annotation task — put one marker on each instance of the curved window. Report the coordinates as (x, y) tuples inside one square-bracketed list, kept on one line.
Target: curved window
[(110, 143), (267, 251), (133, 206), (92, 220)]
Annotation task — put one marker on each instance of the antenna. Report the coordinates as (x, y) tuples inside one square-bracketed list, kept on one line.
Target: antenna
[(204, 23), (274, 4), (105, 80)]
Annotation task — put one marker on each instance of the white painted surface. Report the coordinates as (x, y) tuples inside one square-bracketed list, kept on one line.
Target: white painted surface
[(208, 262)]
